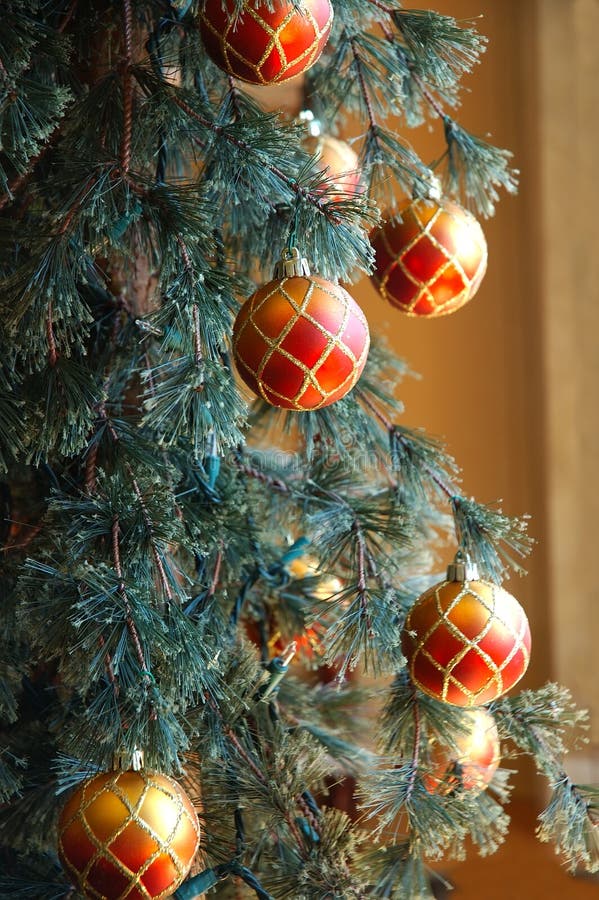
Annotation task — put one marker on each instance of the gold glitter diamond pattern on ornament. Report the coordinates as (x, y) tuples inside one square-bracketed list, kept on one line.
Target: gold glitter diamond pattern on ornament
[(424, 286), (469, 645), (332, 341), (102, 847), (273, 42)]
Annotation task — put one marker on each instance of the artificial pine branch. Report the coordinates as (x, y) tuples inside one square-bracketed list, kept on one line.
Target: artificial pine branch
[(145, 531)]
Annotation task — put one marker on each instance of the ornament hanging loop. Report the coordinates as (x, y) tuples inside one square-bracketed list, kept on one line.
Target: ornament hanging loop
[(291, 265), (428, 187), (124, 760), (294, 225), (462, 568)]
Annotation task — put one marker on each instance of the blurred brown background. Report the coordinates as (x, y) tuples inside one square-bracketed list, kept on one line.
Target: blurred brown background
[(511, 381)]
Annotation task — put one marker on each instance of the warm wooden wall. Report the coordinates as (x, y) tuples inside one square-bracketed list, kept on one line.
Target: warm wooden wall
[(512, 380), (569, 276)]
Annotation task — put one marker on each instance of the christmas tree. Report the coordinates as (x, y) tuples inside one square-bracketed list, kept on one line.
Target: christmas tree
[(192, 571)]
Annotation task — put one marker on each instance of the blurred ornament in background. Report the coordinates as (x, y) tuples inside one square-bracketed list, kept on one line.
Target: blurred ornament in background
[(306, 583), (336, 158), (325, 585), (468, 765)]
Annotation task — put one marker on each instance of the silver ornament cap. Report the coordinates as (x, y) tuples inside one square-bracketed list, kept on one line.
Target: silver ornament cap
[(462, 568), (292, 265)]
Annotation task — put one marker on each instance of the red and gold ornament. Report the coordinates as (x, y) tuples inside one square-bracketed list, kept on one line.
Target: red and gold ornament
[(261, 45), (431, 259), (128, 834), (468, 765), (467, 641), (300, 341)]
